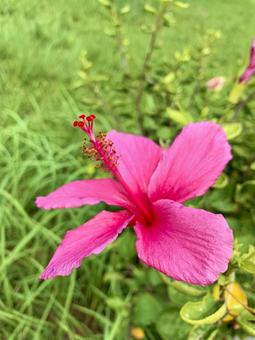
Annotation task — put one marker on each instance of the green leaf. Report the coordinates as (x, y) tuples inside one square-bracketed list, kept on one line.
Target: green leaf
[(149, 104), (221, 201), (204, 312), (110, 32), (205, 112), (249, 266), (153, 277), (116, 303), (180, 117), (148, 29), (221, 182), (150, 9), (245, 193), (90, 169), (247, 322), (163, 132), (242, 151), (181, 4), (125, 246), (213, 335), (177, 298), (248, 261), (146, 309), (170, 326), (125, 9), (201, 332), (85, 62), (168, 78), (169, 19), (232, 130), (253, 166), (248, 326), (184, 287), (105, 3), (236, 93), (149, 123), (100, 78)]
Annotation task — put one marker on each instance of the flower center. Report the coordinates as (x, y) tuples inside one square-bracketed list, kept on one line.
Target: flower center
[(101, 149)]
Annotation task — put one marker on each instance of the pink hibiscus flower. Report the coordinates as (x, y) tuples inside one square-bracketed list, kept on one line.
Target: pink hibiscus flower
[(150, 186), (250, 69)]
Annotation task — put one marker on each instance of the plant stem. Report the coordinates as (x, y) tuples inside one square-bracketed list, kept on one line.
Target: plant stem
[(147, 59), (122, 51), (116, 326), (121, 46), (238, 107)]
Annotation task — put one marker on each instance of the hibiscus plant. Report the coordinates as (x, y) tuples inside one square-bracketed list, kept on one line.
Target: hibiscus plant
[(183, 229)]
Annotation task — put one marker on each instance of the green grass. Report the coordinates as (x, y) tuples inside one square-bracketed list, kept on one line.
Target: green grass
[(40, 45)]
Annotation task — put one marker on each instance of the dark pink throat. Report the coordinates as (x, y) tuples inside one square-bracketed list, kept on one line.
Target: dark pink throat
[(99, 148)]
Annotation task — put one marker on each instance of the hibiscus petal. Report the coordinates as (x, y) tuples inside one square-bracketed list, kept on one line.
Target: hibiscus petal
[(192, 164), (90, 238), (78, 193), (247, 74), (187, 244), (138, 158)]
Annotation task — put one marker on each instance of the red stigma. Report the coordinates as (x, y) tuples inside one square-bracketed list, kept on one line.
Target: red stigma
[(86, 124), (91, 118)]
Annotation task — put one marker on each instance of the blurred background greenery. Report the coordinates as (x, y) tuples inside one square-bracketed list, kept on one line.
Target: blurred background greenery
[(61, 58)]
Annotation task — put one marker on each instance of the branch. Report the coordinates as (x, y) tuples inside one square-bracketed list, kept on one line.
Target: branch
[(147, 59), (117, 24), (238, 107), (122, 51)]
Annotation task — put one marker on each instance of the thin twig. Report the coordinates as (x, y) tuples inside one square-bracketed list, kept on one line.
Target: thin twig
[(247, 308), (238, 107), (147, 59), (122, 50)]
